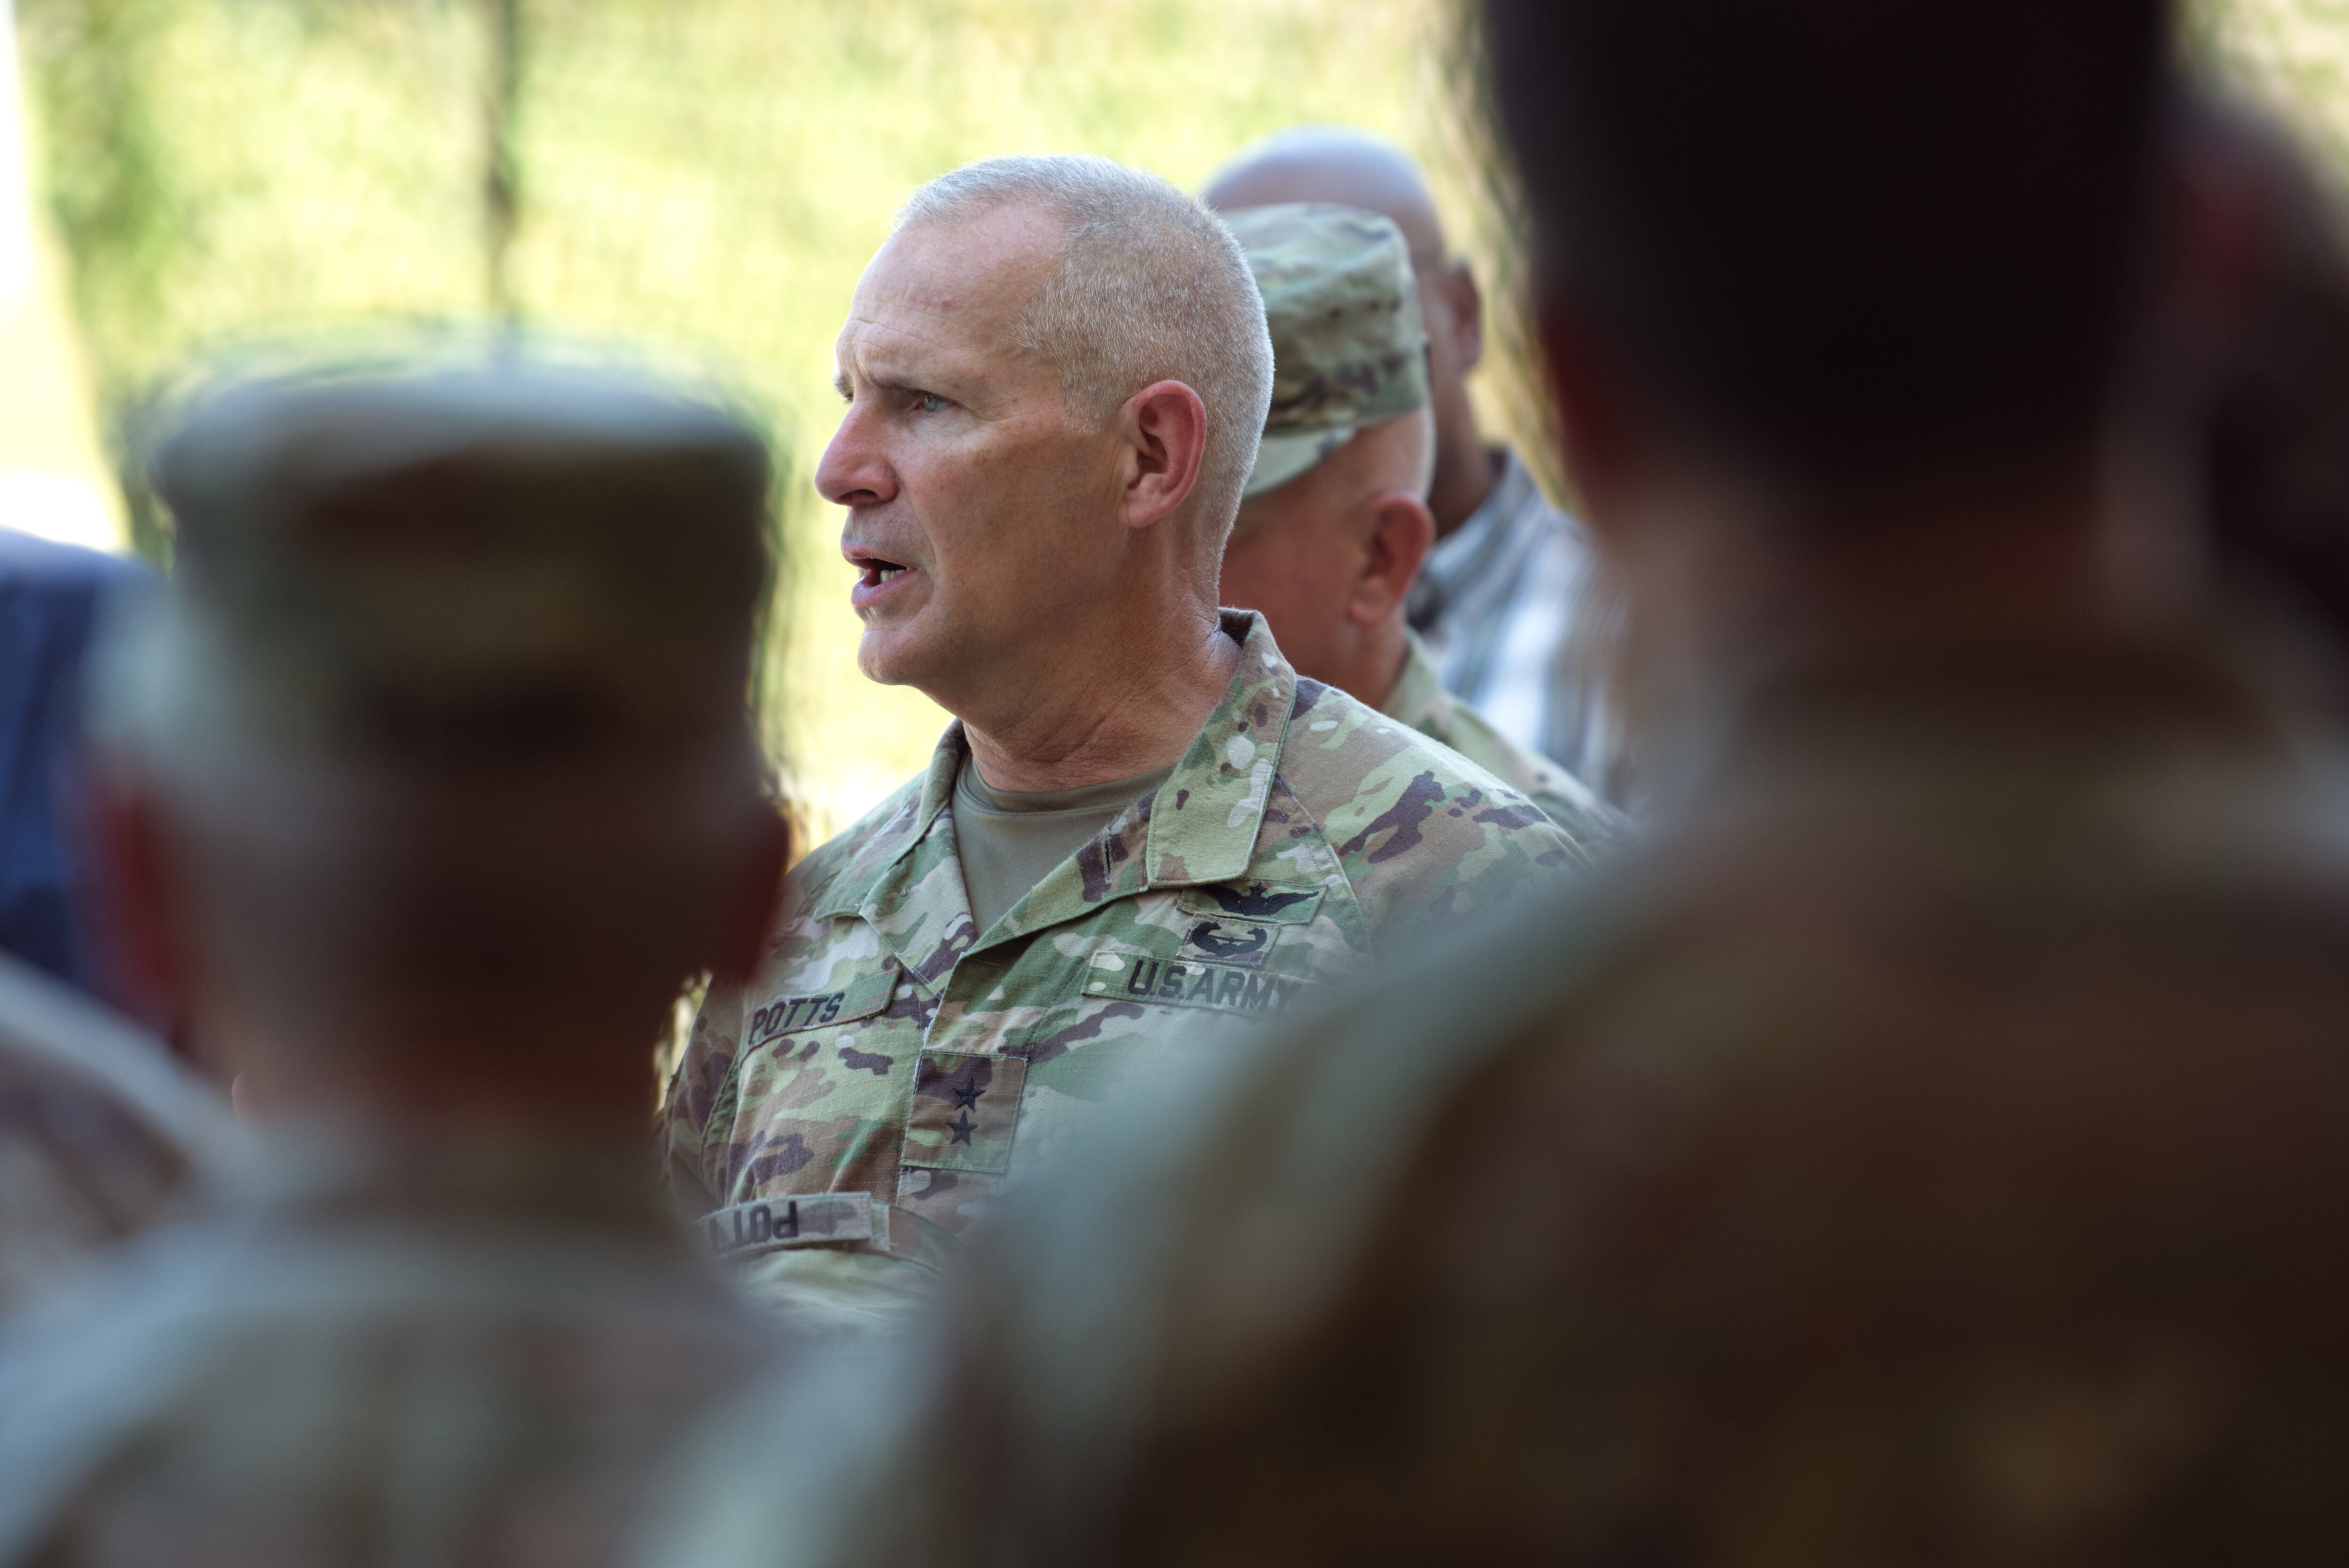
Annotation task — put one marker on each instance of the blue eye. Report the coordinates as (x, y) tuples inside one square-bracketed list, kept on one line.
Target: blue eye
[(928, 402)]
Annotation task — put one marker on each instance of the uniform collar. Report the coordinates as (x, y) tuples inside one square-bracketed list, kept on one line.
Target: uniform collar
[(917, 904), (1417, 699), (904, 822), (1205, 824), (1199, 827)]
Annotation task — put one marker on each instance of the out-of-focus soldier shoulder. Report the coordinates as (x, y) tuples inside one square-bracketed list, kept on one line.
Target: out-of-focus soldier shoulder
[(49, 1030), (106, 1132)]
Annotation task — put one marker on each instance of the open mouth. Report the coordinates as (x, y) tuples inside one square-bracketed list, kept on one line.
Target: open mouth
[(874, 574)]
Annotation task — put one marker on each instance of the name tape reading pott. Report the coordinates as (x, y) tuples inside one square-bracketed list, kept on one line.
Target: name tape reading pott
[(814, 1219)]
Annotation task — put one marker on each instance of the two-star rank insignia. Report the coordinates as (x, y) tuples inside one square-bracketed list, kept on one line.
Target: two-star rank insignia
[(963, 1109)]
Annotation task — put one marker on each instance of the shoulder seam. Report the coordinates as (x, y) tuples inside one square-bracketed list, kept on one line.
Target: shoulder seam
[(1360, 922)]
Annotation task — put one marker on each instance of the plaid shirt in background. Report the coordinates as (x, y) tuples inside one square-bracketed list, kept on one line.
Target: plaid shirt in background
[(1508, 605)]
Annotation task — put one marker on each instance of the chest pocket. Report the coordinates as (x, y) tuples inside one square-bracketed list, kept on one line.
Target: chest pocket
[(965, 1110)]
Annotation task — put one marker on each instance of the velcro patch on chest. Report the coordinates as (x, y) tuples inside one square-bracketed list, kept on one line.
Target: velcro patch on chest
[(1193, 983), (1239, 943), (809, 1220), (965, 1110), (859, 999)]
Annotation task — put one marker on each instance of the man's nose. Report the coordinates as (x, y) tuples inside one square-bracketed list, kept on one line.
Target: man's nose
[(854, 472)]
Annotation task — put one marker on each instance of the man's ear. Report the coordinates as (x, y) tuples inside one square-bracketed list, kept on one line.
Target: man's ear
[(1166, 430), (1400, 532), (1467, 305), (141, 959), (752, 897)]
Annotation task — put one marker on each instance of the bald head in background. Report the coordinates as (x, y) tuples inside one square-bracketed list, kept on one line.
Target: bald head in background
[(1354, 169)]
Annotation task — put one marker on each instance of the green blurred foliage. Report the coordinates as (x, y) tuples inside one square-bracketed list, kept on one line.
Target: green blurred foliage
[(2290, 54), (706, 180)]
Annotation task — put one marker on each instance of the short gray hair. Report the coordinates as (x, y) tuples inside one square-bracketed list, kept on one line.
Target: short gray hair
[(1149, 286)]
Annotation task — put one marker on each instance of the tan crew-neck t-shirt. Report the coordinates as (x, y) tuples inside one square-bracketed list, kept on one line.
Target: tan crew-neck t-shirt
[(1008, 841)]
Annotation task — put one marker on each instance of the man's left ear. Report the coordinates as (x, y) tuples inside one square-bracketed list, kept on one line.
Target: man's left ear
[(1166, 430), (1401, 533)]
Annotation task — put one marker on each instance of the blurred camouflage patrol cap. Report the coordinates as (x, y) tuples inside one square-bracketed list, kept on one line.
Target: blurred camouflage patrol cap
[(473, 564), (1349, 349)]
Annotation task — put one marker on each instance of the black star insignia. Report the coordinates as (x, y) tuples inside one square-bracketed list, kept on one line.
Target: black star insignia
[(966, 1097), (960, 1126)]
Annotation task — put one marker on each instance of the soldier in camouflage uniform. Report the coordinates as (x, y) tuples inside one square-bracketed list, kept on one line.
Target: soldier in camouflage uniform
[(1517, 619), (1334, 522), (440, 741), (102, 1132), (922, 1030), (1927, 1148)]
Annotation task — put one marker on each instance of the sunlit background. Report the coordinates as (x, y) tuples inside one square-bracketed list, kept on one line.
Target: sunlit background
[(184, 180)]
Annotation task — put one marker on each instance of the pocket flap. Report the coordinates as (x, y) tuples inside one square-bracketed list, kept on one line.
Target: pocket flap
[(868, 994), (860, 998), (964, 1109)]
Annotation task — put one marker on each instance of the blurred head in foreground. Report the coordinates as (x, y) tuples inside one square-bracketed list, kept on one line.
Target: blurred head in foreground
[(432, 780), (1814, 250), (1334, 522), (432, 773), (1834, 325)]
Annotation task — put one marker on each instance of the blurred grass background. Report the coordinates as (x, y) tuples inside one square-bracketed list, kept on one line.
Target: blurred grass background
[(705, 178)]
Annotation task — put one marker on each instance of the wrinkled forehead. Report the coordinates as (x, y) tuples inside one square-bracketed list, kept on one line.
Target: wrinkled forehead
[(954, 287)]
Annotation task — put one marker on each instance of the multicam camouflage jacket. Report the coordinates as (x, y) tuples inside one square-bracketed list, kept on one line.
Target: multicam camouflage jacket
[(850, 1109), (470, 1351), (1420, 701)]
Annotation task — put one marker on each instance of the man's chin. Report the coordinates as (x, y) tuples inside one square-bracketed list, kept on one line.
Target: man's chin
[(888, 656)]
